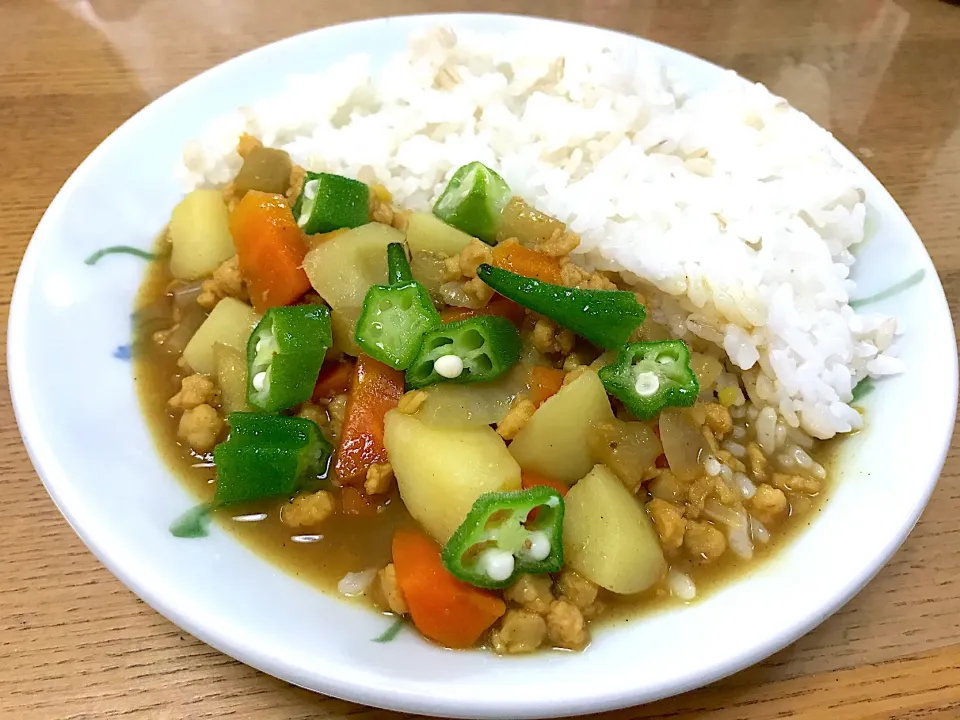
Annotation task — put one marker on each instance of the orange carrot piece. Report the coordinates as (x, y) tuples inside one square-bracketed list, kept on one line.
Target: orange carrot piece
[(374, 390), (443, 608), (334, 379), (498, 305), (270, 249), (529, 263), (545, 382), (530, 480), (455, 314)]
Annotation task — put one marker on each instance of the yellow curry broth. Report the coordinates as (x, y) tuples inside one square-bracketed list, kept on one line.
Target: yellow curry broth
[(345, 543), (351, 543), (360, 539)]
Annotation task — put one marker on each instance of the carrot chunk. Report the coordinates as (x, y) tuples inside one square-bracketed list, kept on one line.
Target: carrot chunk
[(443, 608), (270, 250), (529, 263), (498, 305), (355, 502), (375, 390), (334, 379), (529, 480), (545, 382)]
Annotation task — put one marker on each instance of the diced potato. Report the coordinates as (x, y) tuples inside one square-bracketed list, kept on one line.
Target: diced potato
[(232, 378), (199, 235), (442, 471), (554, 441), (229, 323), (629, 449), (344, 267), (608, 537), (343, 324), (429, 234)]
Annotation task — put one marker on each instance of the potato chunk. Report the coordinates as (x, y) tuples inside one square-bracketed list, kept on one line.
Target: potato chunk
[(428, 233), (232, 378), (199, 235), (554, 442), (344, 267), (442, 471), (608, 537), (230, 323)]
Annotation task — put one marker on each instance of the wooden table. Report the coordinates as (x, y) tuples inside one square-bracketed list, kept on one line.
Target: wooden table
[(884, 76)]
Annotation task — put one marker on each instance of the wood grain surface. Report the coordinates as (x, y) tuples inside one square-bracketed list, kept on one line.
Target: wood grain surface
[(884, 76)]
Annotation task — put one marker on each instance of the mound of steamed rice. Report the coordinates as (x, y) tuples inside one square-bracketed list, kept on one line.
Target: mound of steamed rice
[(727, 199)]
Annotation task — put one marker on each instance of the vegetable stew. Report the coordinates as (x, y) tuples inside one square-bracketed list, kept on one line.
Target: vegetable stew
[(444, 415)]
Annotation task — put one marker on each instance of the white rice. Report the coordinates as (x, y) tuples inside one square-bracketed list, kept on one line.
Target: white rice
[(727, 200)]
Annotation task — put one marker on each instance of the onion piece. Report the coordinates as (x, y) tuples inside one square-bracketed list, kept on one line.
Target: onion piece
[(356, 583), (737, 524), (528, 225), (187, 294), (681, 585), (739, 542), (429, 270), (629, 449), (722, 514), (192, 319), (530, 356), (473, 405), (758, 531), (652, 331), (453, 294), (707, 369), (155, 316), (682, 443)]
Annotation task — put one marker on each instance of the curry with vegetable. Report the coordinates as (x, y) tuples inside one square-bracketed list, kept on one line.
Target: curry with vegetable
[(442, 413)]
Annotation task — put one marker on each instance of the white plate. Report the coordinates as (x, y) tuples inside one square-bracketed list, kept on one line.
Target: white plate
[(79, 415)]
